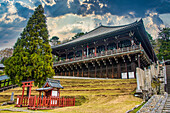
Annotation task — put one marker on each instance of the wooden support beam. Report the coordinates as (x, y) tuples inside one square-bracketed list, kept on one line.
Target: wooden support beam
[(119, 71), (112, 71), (100, 71), (123, 58), (93, 63), (104, 62), (129, 57), (98, 62), (106, 71), (110, 61), (139, 61), (116, 59), (95, 71), (86, 64)]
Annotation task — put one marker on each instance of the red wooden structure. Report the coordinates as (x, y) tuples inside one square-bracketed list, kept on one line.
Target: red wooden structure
[(23, 101), (50, 100)]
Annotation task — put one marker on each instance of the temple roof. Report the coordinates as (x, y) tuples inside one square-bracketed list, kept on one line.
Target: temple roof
[(102, 32), (99, 31), (53, 83)]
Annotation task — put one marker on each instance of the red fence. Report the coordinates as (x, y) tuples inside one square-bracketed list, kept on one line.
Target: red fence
[(22, 103), (45, 102)]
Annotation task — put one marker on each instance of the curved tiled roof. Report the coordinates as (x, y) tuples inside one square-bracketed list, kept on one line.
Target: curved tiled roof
[(101, 30), (53, 83)]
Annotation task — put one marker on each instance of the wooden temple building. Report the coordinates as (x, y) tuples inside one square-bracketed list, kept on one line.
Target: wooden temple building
[(105, 52)]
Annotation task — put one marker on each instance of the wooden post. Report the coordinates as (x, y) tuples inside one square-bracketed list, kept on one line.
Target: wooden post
[(112, 71), (82, 53), (82, 72), (88, 71), (119, 72), (95, 51), (22, 93), (100, 71), (73, 72), (95, 71), (63, 101), (4, 82), (106, 70), (139, 61), (34, 101), (50, 101), (126, 70)]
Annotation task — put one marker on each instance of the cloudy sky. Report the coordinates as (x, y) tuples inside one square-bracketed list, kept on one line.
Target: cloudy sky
[(67, 17)]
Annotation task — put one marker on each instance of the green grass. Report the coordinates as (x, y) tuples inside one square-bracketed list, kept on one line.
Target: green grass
[(138, 108), (91, 95)]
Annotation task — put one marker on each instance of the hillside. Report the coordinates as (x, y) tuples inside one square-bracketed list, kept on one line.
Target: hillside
[(93, 95)]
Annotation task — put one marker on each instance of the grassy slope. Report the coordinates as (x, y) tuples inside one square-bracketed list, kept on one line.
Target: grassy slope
[(96, 95)]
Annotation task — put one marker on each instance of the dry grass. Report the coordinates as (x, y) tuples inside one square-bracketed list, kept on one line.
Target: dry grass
[(99, 96)]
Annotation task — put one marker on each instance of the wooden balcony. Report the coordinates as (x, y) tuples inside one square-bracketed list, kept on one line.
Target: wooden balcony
[(103, 54)]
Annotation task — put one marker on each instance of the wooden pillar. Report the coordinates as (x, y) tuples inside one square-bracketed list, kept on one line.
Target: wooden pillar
[(117, 45), (73, 72), (112, 71), (95, 71), (58, 93), (39, 94), (139, 61), (82, 72), (88, 71), (4, 82), (134, 68), (82, 51), (106, 70), (95, 52), (23, 88), (100, 71), (66, 54), (118, 70), (126, 70)]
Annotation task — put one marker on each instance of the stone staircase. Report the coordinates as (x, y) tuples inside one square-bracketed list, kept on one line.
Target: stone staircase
[(166, 108)]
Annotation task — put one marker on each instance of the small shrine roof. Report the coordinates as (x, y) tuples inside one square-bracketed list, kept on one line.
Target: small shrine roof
[(53, 83)]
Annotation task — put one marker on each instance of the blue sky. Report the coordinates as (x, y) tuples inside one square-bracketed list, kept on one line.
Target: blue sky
[(67, 17)]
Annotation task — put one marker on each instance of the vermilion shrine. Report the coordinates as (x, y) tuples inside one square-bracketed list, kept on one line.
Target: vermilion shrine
[(50, 100)]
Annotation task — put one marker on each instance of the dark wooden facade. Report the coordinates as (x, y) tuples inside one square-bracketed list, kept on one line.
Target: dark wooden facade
[(105, 52)]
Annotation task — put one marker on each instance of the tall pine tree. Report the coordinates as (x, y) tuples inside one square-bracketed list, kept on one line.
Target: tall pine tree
[(32, 58)]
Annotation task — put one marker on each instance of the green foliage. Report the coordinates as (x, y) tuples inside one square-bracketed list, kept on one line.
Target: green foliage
[(164, 42), (1, 72), (3, 60), (54, 40), (32, 58), (78, 35)]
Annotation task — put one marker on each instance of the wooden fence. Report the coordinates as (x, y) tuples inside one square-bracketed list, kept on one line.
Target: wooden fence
[(6, 84), (45, 102)]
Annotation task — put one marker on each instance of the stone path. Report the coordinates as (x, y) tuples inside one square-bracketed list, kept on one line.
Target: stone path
[(166, 108)]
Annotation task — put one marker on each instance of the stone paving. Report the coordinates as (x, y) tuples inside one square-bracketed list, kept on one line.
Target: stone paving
[(166, 108), (155, 104)]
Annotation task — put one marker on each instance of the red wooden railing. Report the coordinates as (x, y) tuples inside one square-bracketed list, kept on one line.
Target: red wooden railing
[(23, 102), (102, 53), (49, 102), (45, 102)]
